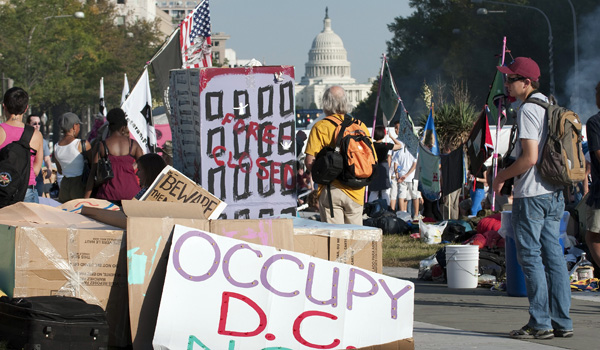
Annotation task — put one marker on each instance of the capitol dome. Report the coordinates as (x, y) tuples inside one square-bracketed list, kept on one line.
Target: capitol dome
[(327, 66), (327, 58)]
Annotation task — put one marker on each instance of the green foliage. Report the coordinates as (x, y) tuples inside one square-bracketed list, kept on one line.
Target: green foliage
[(60, 61), (446, 39), (364, 110)]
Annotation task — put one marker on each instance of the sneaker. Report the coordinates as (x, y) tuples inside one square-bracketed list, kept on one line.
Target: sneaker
[(529, 333), (418, 217), (563, 333)]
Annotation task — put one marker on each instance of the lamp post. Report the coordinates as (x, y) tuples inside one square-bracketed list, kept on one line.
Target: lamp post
[(78, 15), (550, 47), (576, 54)]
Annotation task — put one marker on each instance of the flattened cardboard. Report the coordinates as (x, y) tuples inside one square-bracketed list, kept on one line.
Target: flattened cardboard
[(172, 186), (76, 205), (403, 344), (115, 218), (149, 226), (48, 251), (272, 232)]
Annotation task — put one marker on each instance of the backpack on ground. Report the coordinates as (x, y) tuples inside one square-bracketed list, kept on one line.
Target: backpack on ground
[(562, 161), (15, 168), (349, 158)]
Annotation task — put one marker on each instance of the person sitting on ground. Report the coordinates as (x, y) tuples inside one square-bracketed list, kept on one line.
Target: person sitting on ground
[(149, 167), (70, 161), (122, 153)]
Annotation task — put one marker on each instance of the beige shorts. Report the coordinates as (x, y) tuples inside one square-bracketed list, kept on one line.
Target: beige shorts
[(393, 188), (593, 219), (408, 191)]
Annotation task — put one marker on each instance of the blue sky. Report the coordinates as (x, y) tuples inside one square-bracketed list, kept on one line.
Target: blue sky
[(280, 32)]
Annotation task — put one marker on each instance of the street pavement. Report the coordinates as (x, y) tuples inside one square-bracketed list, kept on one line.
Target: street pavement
[(481, 319)]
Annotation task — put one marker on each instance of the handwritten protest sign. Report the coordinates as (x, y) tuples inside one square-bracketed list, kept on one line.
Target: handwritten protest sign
[(233, 133), (172, 186), (224, 293)]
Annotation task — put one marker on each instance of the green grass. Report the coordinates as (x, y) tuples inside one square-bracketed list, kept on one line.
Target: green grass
[(404, 251)]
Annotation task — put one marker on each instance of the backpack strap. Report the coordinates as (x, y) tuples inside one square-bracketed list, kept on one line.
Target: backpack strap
[(26, 138), (82, 142), (348, 120), (329, 198), (551, 122), (538, 102), (27, 133)]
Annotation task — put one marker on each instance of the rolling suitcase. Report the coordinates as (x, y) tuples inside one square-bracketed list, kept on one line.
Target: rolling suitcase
[(52, 322)]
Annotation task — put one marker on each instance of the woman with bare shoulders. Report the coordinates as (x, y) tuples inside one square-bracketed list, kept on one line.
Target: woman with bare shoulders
[(122, 153)]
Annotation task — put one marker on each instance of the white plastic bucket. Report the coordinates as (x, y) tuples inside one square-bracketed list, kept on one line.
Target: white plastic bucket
[(462, 266)]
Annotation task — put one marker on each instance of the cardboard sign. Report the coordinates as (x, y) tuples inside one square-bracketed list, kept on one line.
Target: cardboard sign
[(234, 133), (223, 293), (172, 186)]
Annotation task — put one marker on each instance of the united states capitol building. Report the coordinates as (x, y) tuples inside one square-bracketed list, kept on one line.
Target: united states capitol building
[(327, 65)]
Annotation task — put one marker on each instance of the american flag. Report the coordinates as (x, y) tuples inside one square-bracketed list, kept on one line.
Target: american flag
[(195, 38)]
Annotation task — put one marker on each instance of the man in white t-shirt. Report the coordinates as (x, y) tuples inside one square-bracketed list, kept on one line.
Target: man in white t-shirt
[(536, 211), (404, 165)]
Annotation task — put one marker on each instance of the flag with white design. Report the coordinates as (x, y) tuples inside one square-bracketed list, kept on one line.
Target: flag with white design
[(125, 91), (195, 37), (138, 110), (102, 106)]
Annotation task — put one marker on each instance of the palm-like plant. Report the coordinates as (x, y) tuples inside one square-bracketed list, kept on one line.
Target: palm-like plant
[(454, 120)]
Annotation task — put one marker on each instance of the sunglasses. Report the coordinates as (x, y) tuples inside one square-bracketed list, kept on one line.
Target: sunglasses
[(34, 124), (512, 80)]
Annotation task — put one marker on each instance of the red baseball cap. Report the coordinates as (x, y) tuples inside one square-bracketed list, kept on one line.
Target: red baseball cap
[(523, 66)]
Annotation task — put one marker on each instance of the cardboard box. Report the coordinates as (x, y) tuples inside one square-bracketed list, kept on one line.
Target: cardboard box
[(149, 226), (209, 276), (350, 244), (172, 186), (48, 251)]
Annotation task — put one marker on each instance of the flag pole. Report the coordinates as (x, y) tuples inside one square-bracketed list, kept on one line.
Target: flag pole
[(375, 113), (498, 129), (378, 93)]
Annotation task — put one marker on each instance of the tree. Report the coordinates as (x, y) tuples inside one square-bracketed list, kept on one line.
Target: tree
[(446, 39), (60, 61)]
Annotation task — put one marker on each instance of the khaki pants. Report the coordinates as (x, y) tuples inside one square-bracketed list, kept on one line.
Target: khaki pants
[(451, 202), (345, 210)]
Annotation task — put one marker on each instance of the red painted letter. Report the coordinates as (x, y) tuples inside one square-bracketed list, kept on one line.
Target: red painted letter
[(296, 329), (224, 313)]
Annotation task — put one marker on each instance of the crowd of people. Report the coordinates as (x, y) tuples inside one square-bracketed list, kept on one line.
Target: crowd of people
[(76, 156), (537, 205)]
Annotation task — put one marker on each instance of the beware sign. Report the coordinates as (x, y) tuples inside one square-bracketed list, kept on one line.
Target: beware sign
[(222, 293), (172, 186)]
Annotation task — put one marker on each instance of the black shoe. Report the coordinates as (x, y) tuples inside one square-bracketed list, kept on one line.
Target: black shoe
[(563, 333), (529, 333)]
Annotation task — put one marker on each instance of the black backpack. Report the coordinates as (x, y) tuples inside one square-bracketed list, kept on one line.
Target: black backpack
[(15, 168)]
